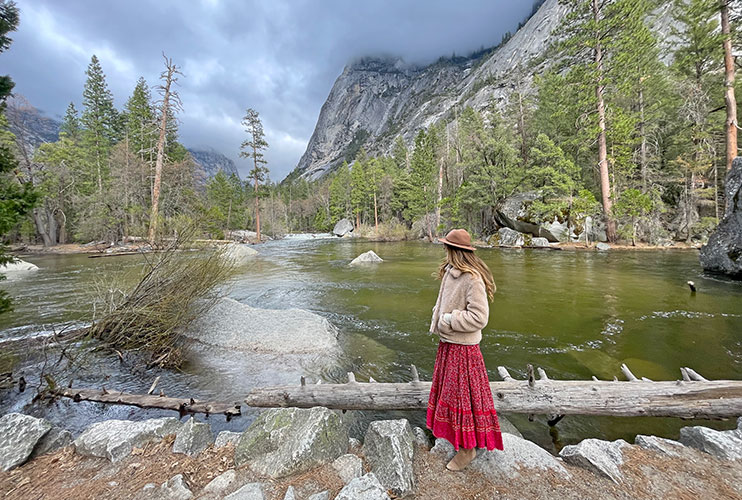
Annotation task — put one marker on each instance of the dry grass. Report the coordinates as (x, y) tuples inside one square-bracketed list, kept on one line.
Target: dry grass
[(176, 287)]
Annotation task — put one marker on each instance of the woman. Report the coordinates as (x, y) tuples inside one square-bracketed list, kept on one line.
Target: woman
[(460, 408)]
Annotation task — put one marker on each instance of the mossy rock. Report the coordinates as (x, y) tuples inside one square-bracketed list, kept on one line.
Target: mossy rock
[(287, 441)]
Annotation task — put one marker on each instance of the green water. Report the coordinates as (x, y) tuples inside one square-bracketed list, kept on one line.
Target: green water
[(575, 314)]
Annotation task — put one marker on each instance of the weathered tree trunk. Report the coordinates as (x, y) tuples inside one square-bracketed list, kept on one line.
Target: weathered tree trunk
[(729, 97), (169, 76), (183, 405), (711, 400), (605, 182), (376, 213)]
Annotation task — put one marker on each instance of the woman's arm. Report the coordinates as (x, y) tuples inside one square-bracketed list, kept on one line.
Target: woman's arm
[(477, 311)]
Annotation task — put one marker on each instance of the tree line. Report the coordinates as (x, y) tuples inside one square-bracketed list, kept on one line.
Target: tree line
[(616, 123)]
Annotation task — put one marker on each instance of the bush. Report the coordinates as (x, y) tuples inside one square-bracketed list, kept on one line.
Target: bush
[(175, 289)]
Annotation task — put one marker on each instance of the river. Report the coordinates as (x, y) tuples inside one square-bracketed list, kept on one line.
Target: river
[(573, 313)]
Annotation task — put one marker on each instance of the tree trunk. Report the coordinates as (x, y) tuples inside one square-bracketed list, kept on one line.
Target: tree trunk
[(605, 183), (257, 199), (643, 134), (41, 228), (440, 197), (169, 76), (729, 98), (376, 214), (692, 399), (51, 225)]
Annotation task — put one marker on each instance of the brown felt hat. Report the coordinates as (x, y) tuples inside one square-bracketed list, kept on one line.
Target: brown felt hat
[(458, 238)]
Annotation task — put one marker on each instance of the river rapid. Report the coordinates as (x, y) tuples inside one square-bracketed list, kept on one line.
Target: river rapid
[(573, 313)]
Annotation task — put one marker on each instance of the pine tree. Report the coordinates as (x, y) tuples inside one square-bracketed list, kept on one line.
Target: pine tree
[(141, 125), (99, 119), (340, 194), (71, 126), (16, 199), (254, 148)]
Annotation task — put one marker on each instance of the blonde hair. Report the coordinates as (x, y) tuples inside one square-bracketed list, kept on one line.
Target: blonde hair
[(467, 262)]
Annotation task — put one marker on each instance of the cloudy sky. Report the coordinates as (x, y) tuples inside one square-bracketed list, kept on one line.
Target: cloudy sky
[(280, 57)]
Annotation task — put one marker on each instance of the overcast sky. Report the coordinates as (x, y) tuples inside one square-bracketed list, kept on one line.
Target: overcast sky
[(280, 57)]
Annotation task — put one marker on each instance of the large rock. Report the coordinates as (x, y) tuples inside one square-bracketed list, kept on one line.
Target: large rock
[(602, 247), (540, 243), (602, 457), (721, 444), (221, 483), (239, 253), (518, 457), (53, 440), (348, 467), (245, 236), (513, 214), (661, 445), (343, 227), (17, 265), (322, 495), (192, 438), (115, 439), (19, 435), (174, 488), (287, 441), (366, 487), (507, 237), (389, 447), (723, 252), (251, 491), (226, 437), (232, 325), (369, 257)]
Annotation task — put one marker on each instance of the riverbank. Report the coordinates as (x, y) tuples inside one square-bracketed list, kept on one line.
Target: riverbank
[(290, 453)]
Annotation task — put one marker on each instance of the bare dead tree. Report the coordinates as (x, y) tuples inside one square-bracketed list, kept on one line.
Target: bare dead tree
[(729, 97), (169, 105)]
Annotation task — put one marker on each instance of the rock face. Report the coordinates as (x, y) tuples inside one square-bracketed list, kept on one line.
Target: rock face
[(211, 161), (367, 487), (115, 439), (375, 100), (723, 252), (343, 227), (602, 457), (232, 325), (192, 438), (291, 440), (389, 447), (369, 257), (721, 444), (19, 435), (18, 265)]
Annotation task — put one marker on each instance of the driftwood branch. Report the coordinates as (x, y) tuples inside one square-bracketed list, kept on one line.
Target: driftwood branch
[(181, 405)]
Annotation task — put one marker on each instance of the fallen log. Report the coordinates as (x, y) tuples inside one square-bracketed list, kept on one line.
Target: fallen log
[(693, 397), (184, 406)]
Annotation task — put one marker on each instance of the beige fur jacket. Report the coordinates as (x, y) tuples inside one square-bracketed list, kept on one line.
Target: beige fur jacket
[(464, 296)]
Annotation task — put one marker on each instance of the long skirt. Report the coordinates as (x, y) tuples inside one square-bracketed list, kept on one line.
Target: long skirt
[(460, 408)]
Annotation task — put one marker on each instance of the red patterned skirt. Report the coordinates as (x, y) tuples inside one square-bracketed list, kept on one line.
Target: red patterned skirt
[(460, 408)]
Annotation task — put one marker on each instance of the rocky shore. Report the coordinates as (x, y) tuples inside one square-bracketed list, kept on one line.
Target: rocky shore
[(297, 454)]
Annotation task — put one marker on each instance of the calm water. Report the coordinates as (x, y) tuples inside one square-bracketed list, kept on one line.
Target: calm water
[(576, 314)]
